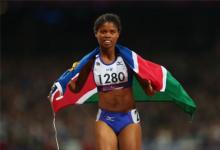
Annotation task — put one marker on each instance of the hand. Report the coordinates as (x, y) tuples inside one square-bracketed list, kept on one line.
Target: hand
[(53, 89), (74, 65), (150, 90), (72, 86)]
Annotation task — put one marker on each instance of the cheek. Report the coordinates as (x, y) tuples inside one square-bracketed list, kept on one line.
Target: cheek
[(116, 37), (97, 37)]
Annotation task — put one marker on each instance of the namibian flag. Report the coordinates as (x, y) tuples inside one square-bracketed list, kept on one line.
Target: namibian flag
[(169, 89)]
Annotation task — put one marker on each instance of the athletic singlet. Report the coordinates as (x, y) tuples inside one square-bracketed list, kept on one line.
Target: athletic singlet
[(111, 76)]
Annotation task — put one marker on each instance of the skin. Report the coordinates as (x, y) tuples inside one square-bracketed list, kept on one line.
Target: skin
[(120, 100)]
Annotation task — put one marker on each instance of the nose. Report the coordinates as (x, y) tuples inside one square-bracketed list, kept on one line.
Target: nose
[(107, 35)]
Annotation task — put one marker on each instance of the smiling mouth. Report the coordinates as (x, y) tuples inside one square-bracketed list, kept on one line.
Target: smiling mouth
[(107, 42)]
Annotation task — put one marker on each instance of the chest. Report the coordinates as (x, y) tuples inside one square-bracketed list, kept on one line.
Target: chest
[(108, 74)]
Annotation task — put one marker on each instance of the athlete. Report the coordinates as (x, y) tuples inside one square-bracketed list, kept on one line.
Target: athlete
[(117, 124)]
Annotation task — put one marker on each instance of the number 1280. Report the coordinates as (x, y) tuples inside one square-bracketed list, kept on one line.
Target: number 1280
[(112, 78)]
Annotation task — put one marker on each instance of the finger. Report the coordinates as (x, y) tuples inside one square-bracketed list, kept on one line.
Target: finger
[(49, 96), (75, 64)]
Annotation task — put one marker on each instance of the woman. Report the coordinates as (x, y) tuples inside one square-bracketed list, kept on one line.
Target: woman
[(118, 123)]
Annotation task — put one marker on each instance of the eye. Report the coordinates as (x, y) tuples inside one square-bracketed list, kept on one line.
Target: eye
[(103, 31), (113, 31)]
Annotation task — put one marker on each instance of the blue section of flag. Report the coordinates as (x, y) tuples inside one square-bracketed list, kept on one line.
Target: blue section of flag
[(126, 54), (68, 75)]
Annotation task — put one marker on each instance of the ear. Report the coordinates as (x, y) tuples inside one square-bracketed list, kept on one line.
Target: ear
[(95, 34), (119, 34)]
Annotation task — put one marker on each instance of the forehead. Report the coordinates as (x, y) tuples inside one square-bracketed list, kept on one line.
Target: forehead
[(108, 25)]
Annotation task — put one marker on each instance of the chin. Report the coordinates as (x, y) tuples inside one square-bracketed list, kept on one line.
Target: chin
[(107, 46)]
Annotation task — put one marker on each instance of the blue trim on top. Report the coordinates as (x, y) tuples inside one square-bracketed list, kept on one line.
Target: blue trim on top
[(107, 64)]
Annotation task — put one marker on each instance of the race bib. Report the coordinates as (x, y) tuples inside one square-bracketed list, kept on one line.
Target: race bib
[(110, 74)]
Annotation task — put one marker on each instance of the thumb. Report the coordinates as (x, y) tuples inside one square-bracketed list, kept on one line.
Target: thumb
[(75, 64)]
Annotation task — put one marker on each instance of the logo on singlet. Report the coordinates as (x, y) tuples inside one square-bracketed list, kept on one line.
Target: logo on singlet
[(109, 69), (119, 63), (97, 63)]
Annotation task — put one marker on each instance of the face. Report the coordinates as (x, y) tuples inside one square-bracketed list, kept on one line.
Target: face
[(107, 35)]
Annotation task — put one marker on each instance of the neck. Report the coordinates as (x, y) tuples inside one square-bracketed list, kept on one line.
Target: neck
[(108, 55)]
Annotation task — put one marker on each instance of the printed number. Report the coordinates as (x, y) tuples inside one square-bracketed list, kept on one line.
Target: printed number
[(112, 78), (138, 118), (108, 78), (121, 76), (100, 79)]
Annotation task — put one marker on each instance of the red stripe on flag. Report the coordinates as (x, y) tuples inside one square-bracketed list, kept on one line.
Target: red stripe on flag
[(150, 71), (70, 98)]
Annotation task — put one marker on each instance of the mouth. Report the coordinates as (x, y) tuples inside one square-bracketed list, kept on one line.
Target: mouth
[(107, 42)]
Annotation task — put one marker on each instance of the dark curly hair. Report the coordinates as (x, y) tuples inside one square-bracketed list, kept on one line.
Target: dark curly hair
[(108, 17)]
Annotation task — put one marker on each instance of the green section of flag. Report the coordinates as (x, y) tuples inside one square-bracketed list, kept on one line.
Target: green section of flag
[(93, 99), (179, 95), (174, 92)]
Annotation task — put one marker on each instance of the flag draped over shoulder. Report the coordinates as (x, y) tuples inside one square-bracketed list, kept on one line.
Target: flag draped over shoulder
[(169, 89)]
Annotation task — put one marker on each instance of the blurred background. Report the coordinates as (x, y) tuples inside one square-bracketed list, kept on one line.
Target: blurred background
[(41, 39)]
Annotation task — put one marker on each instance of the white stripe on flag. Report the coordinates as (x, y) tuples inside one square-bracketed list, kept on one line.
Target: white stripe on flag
[(52, 95), (164, 71), (75, 76), (134, 57), (86, 96), (59, 87)]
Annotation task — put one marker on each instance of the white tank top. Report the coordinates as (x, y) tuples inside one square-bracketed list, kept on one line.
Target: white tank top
[(111, 76)]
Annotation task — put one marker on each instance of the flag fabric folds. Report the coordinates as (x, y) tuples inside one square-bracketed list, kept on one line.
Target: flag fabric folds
[(169, 89)]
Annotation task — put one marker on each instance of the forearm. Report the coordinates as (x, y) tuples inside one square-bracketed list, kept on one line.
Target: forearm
[(147, 86), (149, 89), (72, 86), (76, 85)]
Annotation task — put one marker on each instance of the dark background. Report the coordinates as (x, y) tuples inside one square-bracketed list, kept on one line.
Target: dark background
[(41, 39)]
